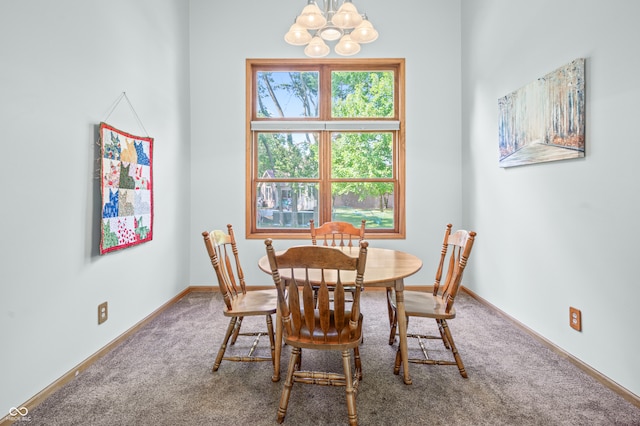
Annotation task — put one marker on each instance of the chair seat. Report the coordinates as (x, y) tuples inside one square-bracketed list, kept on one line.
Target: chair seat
[(423, 304), (332, 341), (253, 303)]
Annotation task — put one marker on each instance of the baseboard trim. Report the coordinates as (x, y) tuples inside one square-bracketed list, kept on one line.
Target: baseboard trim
[(601, 378)]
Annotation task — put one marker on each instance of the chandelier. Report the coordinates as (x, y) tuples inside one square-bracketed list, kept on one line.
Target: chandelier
[(344, 23)]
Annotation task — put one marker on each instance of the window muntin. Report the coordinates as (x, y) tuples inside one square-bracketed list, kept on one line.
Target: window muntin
[(335, 155)]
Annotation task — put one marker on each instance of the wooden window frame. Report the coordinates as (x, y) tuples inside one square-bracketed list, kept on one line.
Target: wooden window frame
[(399, 175)]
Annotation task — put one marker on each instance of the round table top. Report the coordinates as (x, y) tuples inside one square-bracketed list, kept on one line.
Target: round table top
[(383, 266)]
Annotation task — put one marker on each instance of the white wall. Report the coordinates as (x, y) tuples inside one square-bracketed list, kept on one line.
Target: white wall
[(62, 65), (429, 39), (560, 234)]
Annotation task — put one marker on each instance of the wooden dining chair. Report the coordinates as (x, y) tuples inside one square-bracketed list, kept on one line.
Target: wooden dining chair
[(238, 302), (337, 233), (438, 304), (320, 326)]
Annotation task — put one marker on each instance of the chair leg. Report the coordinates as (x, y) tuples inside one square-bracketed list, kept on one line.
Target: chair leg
[(272, 342), (349, 390), (223, 347), (288, 384), (396, 366), (393, 320), (443, 335), (394, 325), (357, 362), (390, 310), (398, 361), (456, 355), (236, 332), (299, 364)]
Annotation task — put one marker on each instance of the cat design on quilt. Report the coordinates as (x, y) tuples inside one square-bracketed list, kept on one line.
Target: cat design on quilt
[(109, 239), (141, 181), (129, 152), (143, 158), (126, 180), (141, 231), (112, 148), (125, 207), (141, 206), (110, 208), (111, 176)]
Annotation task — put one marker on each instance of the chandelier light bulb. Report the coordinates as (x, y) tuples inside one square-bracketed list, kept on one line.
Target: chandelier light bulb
[(330, 33), (316, 48), (311, 17), (297, 35), (364, 33), (346, 46), (347, 16)]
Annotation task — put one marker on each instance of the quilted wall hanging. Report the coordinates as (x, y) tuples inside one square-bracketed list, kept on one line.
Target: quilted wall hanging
[(127, 189)]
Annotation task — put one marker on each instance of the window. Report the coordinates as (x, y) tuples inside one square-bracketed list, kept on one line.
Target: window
[(325, 141)]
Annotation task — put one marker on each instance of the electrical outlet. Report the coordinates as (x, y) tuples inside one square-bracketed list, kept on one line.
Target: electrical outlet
[(103, 312), (575, 318)]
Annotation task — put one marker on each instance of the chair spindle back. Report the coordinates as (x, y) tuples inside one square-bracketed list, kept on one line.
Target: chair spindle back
[(222, 247), (337, 233), (326, 267), (458, 246)]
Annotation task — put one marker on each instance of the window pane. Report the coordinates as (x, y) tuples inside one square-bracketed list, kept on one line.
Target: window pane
[(373, 202), (286, 204), (287, 94), (287, 155), (362, 94), (361, 155)]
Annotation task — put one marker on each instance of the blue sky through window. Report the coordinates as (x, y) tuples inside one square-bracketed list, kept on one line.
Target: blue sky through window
[(281, 82)]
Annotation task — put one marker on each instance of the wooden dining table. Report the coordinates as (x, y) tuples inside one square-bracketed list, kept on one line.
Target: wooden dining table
[(385, 268)]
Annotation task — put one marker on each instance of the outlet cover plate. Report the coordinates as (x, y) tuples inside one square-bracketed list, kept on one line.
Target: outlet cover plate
[(103, 312), (575, 318)]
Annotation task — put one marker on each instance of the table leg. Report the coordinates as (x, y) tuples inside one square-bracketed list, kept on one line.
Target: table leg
[(402, 330)]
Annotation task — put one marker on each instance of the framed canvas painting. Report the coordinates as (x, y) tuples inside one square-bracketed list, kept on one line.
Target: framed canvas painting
[(126, 188), (545, 120)]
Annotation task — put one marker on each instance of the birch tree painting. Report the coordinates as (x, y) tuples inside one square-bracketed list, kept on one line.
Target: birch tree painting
[(544, 120)]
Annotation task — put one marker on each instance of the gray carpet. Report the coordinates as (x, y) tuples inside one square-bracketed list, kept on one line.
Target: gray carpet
[(162, 376)]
